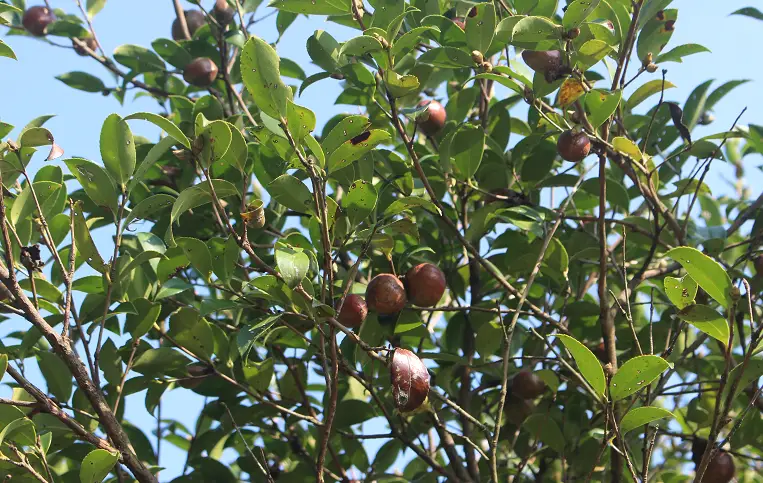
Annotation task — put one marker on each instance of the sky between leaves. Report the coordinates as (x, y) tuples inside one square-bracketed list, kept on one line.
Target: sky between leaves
[(28, 89)]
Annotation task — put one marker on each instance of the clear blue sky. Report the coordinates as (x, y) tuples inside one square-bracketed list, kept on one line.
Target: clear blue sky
[(29, 89)]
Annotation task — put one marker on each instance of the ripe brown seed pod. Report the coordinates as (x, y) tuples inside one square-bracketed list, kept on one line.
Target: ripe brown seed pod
[(527, 385), (90, 42), (573, 146), (543, 61), (434, 120), (223, 12), (354, 311), (651, 68), (385, 294), (426, 284), (410, 380), (721, 468), (194, 19), (201, 72), (36, 20)]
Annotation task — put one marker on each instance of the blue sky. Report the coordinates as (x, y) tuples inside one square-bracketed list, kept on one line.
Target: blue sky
[(28, 89)]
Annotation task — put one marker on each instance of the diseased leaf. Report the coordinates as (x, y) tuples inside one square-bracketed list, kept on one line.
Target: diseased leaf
[(635, 374), (261, 74), (708, 273), (97, 465), (681, 291)]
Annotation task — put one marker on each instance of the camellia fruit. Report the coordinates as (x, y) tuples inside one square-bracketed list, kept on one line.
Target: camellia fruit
[(410, 380), (431, 122), (426, 284), (36, 20), (543, 61), (573, 146), (89, 41), (194, 19), (202, 72), (354, 311), (527, 385), (223, 12), (385, 294)]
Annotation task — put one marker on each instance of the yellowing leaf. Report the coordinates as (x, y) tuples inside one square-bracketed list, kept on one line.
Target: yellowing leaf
[(570, 91)]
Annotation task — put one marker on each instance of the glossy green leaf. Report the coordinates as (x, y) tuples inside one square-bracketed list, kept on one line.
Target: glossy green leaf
[(313, 7), (745, 374), (172, 52), (466, 149), (98, 185), (7, 51), (293, 263), (577, 12), (20, 431), (480, 27), (707, 320), (199, 195), (708, 273), (348, 128), (677, 54), (637, 417), (198, 253), (154, 154), (138, 59), (84, 242), (354, 149), (94, 6), (292, 193), (535, 29), (446, 57), (636, 374), (56, 374), (82, 81), (359, 202), (680, 291), (149, 206), (359, 46), (258, 374), (589, 366), (97, 465), (601, 105), (647, 90), (260, 71), (164, 360), (164, 124), (3, 364), (546, 430), (118, 149), (409, 202), (300, 121), (214, 140), (24, 204), (400, 85), (656, 33), (410, 39)]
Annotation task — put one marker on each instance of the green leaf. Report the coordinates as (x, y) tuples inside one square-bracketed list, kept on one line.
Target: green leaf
[(707, 320), (589, 365), (466, 149), (97, 465), (198, 254), (3, 364), (149, 206), (6, 51), (24, 204), (749, 12), (292, 262), (647, 90), (67, 28), (140, 323), (313, 7), (546, 430), (534, 29), (84, 242), (577, 12), (681, 291), (752, 372), (56, 375), (677, 54), (636, 374), (20, 431), (640, 416), (172, 52), (261, 75), (292, 193), (172, 287), (400, 85), (199, 195), (656, 33), (355, 148), (708, 273), (601, 105), (82, 81), (97, 184), (359, 46), (300, 121), (138, 59), (410, 39), (591, 52), (348, 128), (215, 140), (94, 6), (118, 149), (480, 28), (627, 147), (163, 360), (360, 201), (402, 204), (164, 124), (154, 154), (446, 57), (258, 374)]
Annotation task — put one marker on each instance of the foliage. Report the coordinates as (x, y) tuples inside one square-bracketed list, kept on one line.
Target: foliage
[(631, 295)]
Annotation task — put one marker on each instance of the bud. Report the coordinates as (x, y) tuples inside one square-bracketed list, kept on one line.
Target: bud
[(651, 68), (477, 57), (487, 67), (648, 59), (410, 380)]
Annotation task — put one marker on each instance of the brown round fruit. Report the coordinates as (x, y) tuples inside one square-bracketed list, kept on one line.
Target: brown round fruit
[(720, 470), (758, 263), (543, 61), (36, 20), (573, 147), (434, 120), (202, 72), (354, 311), (518, 409), (193, 18), (385, 294), (527, 385), (426, 284), (89, 41), (410, 380), (223, 12)]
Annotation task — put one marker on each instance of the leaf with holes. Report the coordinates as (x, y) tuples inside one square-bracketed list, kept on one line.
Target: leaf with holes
[(707, 320), (480, 27), (589, 365), (635, 374), (98, 185), (355, 148), (577, 12), (601, 104), (640, 416), (97, 465), (360, 201), (680, 291), (261, 74), (708, 273)]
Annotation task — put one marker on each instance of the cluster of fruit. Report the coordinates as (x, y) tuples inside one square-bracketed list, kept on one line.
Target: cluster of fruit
[(200, 72)]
